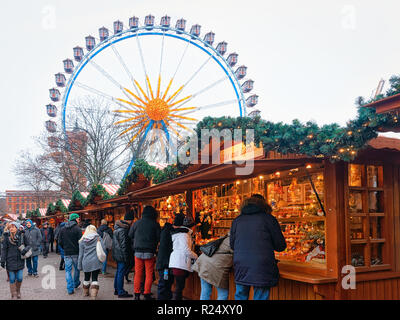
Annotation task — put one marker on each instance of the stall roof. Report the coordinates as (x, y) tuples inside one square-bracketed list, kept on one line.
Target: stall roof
[(385, 143), (388, 104), (214, 175)]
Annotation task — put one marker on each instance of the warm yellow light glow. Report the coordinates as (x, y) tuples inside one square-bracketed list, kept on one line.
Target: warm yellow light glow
[(154, 108), (309, 166)]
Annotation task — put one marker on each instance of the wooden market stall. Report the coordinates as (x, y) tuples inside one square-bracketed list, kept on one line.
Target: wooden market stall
[(332, 215)]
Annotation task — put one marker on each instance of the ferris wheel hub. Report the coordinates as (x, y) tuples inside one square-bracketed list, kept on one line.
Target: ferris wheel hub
[(157, 109)]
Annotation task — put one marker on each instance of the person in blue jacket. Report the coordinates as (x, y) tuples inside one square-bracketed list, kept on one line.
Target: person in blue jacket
[(255, 235)]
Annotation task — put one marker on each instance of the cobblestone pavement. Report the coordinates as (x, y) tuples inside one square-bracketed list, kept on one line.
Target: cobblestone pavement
[(37, 288)]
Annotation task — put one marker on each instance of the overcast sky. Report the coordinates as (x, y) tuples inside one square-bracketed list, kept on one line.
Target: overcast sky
[(309, 59)]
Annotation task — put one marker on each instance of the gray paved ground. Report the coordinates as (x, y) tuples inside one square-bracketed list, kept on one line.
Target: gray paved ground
[(38, 288)]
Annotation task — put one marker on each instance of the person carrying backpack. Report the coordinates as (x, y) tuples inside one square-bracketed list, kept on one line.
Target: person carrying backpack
[(214, 270), (106, 234)]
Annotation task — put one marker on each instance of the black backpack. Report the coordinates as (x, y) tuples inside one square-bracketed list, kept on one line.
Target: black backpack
[(210, 248)]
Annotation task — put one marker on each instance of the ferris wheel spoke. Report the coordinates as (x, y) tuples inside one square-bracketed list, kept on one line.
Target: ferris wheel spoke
[(129, 73), (142, 60), (214, 105), (172, 129), (95, 91), (197, 94), (162, 53), (110, 78), (192, 77), (180, 125), (209, 87), (181, 59)]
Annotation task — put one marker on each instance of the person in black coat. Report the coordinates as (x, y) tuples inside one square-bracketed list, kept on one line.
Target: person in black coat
[(14, 245), (255, 235), (122, 254), (68, 240), (166, 278), (145, 235)]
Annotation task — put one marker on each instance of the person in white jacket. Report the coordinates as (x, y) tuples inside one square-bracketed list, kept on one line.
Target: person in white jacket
[(182, 256)]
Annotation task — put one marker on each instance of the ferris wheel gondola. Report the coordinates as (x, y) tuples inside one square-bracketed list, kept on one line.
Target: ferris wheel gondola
[(159, 103)]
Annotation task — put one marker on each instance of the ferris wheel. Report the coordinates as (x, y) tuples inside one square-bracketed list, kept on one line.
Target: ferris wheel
[(160, 81)]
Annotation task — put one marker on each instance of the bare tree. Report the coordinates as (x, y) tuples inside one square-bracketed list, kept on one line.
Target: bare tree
[(91, 151)]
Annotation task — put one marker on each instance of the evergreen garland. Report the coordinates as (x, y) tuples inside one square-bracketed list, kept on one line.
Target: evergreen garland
[(77, 197), (51, 209), (97, 190), (60, 207), (151, 173), (331, 141)]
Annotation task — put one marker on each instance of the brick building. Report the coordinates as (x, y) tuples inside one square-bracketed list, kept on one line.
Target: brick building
[(19, 201)]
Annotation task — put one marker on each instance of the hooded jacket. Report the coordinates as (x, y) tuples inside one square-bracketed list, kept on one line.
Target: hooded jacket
[(182, 254), (34, 237), (255, 234), (88, 260), (121, 247), (165, 248), (215, 270), (69, 238), (145, 233)]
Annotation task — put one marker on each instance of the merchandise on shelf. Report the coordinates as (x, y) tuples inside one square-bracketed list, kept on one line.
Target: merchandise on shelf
[(294, 204), (169, 206)]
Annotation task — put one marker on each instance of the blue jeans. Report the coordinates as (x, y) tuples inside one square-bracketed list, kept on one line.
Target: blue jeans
[(16, 275), (206, 290), (119, 278), (164, 291), (72, 283), (103, 270), (32, 261), (260, 293), (61, 250)]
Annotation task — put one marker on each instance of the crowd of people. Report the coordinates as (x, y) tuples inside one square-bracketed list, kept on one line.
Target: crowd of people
[(141, 245)]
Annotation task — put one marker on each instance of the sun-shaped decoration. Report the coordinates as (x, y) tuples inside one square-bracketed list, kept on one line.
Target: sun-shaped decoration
[(154, 112)]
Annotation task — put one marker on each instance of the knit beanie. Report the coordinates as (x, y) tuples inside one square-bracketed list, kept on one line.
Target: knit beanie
[(73, 216)]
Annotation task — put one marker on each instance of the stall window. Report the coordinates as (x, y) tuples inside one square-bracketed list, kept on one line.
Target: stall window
[(366, 216)]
